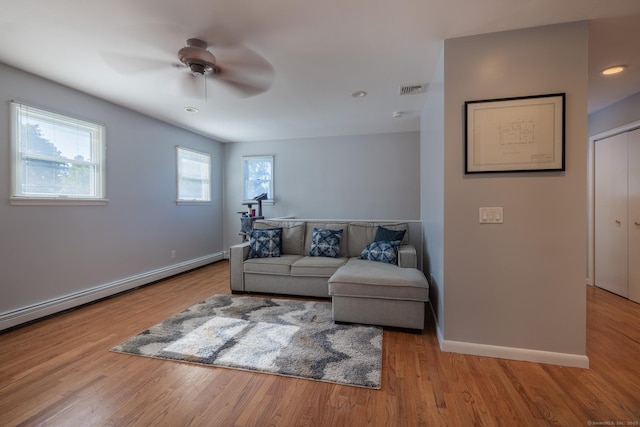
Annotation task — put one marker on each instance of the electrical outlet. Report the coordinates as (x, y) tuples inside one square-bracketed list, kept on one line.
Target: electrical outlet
[(173, 254)]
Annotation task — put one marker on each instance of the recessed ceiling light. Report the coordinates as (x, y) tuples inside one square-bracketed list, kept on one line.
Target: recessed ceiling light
[(359, 94), (616, 69), (396, 114), (191, 109)]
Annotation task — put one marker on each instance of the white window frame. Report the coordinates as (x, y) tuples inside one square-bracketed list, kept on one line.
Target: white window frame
[(205, 158), (21, 112), (271, 195)]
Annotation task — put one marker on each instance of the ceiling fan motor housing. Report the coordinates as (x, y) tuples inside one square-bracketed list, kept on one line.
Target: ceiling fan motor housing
[(196, 56)]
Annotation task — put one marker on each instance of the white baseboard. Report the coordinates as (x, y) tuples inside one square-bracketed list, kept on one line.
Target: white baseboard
[(439, 334), (513, 353), (45, 308)]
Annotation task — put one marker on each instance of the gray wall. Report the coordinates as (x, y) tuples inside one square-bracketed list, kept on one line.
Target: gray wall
[(49, 253), (519, 284), (614, 116), (432, 165), (348, 177)]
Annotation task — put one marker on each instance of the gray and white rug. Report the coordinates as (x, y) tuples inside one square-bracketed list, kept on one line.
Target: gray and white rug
[(277, 336)]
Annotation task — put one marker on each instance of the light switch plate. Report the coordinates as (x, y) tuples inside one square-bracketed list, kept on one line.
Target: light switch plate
[(492, 215)]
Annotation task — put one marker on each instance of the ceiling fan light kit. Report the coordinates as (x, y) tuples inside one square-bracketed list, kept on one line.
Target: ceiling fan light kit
[(196, 56)]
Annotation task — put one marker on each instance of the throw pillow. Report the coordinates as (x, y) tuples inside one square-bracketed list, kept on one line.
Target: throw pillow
[(265, 243), (381, 251), (388, 235), (325, 242)]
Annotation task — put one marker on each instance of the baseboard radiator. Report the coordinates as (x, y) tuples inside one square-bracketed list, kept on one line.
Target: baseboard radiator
[(35, 311)]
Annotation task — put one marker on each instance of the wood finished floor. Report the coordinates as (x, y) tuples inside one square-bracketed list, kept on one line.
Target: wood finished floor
[(60, 372)]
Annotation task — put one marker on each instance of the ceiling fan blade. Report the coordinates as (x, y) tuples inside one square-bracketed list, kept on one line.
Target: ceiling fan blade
[(239, 58), (243, 85), (243, 70), (129, 64)]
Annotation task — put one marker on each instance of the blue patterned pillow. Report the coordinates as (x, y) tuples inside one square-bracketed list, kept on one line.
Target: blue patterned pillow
[(387, 235), (325, 242), (265, 243), (382, 251)]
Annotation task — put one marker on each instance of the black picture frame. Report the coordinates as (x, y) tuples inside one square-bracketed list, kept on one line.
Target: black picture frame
[(519, 134)]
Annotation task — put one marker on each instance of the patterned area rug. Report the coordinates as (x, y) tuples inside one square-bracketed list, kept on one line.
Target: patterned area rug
[(277, 336)]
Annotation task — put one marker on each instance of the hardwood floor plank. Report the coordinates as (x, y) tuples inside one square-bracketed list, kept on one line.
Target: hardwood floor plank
[(59, 371)]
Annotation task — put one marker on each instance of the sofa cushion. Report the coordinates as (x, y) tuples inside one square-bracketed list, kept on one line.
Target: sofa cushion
[(361, 278), (364, 232), (265, 243), (360, 235), (381, 251), (317, 266), (330, 225), (280, 265), (292, 234), (325, 243)]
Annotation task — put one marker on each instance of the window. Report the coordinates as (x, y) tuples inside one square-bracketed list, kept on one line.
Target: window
[(55, 159), (194, 176), (257, 177)]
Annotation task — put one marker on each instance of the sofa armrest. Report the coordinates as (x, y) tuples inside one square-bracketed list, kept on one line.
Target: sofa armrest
[(407, 257), (237, 255)]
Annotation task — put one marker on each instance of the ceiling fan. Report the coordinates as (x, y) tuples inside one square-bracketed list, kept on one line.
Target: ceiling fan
[(235, 66), (245, 71)]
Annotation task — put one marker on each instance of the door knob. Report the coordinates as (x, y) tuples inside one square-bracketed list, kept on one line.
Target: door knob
[(618, 222), (636, 223)]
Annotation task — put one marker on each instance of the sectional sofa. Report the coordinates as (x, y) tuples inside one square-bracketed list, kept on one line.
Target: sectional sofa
[(368, 269)]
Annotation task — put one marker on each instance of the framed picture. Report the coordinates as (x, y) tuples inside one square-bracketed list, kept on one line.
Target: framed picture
[(521, 134)]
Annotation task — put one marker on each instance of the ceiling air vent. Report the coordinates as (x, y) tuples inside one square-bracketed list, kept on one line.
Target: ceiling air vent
[(413, 89)]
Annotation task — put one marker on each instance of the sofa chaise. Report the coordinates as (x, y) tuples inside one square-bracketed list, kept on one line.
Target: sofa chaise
[(368, 269)]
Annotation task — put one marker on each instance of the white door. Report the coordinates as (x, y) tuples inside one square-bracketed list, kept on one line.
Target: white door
[(611, 225), (634, 215)]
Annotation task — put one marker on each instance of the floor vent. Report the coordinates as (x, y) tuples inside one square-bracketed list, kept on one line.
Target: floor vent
[(413, 89)]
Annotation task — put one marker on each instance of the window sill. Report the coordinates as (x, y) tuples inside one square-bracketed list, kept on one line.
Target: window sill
[(61, 201), (191, 202)]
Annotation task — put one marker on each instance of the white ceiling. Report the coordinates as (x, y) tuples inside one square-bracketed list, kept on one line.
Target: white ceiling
[(319, 52)]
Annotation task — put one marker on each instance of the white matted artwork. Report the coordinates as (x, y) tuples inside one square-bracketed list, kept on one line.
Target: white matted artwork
[(520, 134)]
